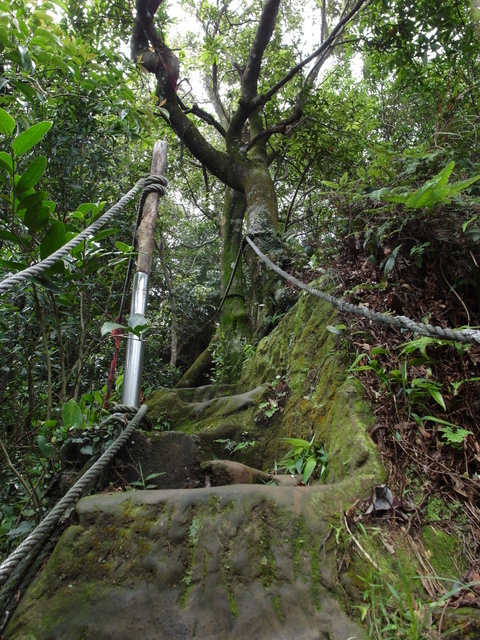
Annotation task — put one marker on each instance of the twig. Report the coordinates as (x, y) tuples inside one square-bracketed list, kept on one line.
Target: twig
[(456, 294), (362, 550), (17, 473), (325, 540)]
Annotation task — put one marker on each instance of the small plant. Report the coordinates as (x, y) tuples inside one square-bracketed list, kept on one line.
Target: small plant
[(412, 395), (232, 446), (142, 483), (269, 407), (393, 612), (248, 351), (163, 423), (452, 434), (276, 399), (306, 458), (220, 359), (434, 192)]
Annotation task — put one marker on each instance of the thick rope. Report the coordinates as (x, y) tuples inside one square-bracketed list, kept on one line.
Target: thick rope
[(73, 495), (470, 336), (22, 576), (40, 267)]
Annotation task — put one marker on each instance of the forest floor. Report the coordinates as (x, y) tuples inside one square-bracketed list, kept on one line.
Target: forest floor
[(425, 395)]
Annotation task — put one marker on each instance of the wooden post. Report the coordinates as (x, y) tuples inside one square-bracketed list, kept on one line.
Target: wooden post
[(132, 378), (146, 229)]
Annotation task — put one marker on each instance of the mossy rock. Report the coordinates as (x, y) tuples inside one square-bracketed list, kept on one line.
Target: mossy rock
[(242, 561), (306, 358), (238, 562)]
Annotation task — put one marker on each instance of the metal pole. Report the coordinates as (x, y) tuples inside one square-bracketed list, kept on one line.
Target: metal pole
[(132, 379)]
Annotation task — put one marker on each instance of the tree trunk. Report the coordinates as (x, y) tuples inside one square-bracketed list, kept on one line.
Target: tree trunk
[(234, 318), (262, 226), (173, 303)]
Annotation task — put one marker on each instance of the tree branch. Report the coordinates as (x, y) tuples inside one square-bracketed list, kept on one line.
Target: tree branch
[(214, 95), (282, 127), (251, 73), (300, 182), (206, 117), (164, 65), (263, 35), (262, 99)]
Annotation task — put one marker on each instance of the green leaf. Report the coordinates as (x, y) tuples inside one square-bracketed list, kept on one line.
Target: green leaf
[(332, 185), (36, 218), (29, 138), (72, 415), (32, 200), (105, 233), (124, 248), (138, 321), (86, 207), (10, 265), (442, 178), (108, 327), (11, 237), (463, 184), (52, 240), (43, 36), (437, 396), (337, 331), (87, 450), (6, 162), (44, 446), (433, 192), (309, 468), (60, 4), (7, 123), (439, 421), (454, 437), (33, 174), (22, 530), (297, 442)]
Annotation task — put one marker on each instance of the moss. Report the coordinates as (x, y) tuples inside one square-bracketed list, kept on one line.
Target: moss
[(126, 547), (277, 608), (265, 555), (189, 558), (444, 553), (305, 354), (228, 581), (298, 544), (232, 602), (315, 570), (214, 505), (228, 507)]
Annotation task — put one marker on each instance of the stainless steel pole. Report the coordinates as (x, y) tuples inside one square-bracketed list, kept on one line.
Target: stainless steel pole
[(132, 379)]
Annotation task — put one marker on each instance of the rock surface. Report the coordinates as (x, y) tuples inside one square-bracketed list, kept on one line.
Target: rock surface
[(239, 562), (162, 460), (225, 563)]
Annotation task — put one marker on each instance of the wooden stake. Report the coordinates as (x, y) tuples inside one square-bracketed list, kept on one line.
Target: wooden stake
[(146, 229)]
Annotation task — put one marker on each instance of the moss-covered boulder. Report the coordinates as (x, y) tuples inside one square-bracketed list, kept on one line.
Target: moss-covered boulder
[(239, 562), (245, 561), (293, 386)]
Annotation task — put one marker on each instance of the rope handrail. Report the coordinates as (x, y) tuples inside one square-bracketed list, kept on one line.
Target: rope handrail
[(74, 494), (146, 184), (470, 336)]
